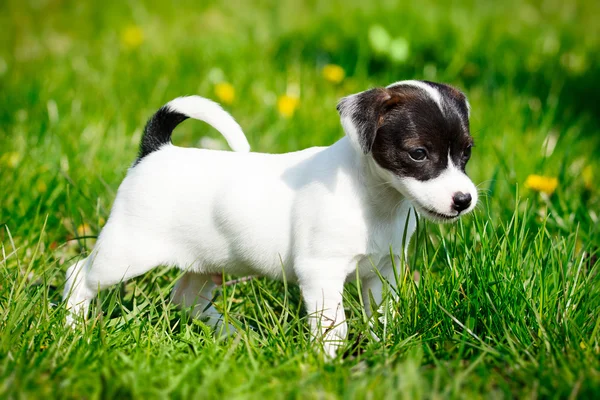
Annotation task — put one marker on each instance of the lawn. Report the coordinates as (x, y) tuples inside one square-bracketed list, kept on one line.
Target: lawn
[(505, 303)]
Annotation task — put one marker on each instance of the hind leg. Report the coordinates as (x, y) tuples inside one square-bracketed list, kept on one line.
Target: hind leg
[(76, 293), (195, 291), (119, 255)]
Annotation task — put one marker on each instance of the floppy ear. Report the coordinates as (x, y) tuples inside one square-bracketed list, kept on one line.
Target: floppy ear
[(361, 115)]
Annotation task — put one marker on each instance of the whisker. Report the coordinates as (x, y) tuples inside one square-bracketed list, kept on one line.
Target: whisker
[(484, 182)]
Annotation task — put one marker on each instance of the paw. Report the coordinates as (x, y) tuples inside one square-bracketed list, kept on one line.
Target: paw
[(71, 321), (332, 339), (216, 321)]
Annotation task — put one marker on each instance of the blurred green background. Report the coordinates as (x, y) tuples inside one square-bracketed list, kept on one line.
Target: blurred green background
[(78, 80)]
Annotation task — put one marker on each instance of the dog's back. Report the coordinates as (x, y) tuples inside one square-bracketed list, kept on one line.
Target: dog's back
[(209, 209)]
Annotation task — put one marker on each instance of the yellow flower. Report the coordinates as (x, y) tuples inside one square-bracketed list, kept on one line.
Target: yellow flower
[(545, 184), (84, 230), (225, 92), (132, 37), (41, 186), (588, 175), (10, 159), (286, 105), (333, 73)]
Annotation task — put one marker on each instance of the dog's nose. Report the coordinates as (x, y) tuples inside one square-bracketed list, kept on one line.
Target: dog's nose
[(461, 200)]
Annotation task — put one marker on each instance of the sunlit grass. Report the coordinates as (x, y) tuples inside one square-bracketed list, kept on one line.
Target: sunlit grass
[(505, 303)]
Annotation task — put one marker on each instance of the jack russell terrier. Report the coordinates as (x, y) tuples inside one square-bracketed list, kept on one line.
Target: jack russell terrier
[(314, 216)]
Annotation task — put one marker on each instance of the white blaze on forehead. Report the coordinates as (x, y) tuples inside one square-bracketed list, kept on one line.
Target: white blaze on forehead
[(430, 90)]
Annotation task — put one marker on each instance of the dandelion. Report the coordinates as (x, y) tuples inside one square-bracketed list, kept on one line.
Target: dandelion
[(41, 186), (286, 105), (333, 73), (544, 184), (10, 159), (588, 175), (132, 37), (83, 230), (225, 92)]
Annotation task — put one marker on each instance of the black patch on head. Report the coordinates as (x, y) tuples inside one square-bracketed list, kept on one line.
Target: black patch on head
[(452, 97), (417, 122), (365, 110), (158, 130)]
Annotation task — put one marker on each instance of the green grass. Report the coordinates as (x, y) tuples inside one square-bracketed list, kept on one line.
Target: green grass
[(507, 302)]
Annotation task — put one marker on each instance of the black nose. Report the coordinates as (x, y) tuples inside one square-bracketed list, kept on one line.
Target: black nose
[(462, 201)]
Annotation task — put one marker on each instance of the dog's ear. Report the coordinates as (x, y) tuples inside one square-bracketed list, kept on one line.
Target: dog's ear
[(362, 113)]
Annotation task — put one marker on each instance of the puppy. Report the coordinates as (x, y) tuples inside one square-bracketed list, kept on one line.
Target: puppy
[(313, 216)]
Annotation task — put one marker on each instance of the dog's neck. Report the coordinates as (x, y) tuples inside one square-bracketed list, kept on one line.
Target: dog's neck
[(384, 198), (377, 193)]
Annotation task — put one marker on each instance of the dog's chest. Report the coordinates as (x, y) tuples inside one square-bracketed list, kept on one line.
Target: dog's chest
[(387, 237)]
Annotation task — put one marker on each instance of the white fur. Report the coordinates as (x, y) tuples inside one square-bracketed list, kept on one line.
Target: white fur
[(210, 112), (437, 194), (430, 90), (313, 216), (349, 128)]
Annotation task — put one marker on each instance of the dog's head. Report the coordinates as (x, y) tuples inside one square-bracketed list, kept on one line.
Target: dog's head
[(417, 134)]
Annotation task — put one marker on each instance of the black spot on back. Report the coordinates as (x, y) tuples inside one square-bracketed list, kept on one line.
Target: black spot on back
[(158, 130)]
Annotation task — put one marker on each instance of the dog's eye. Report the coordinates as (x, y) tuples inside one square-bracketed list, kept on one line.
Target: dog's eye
[(467, 153), (418, 154)]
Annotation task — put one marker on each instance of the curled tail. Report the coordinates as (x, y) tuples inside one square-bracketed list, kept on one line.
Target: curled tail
[(160, 126)]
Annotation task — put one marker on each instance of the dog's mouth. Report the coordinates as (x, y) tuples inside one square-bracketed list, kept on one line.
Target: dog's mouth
[(434, 215)]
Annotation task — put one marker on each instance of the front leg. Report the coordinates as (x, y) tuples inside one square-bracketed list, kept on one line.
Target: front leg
[(376, 288), (322, 286), (384, 280)]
